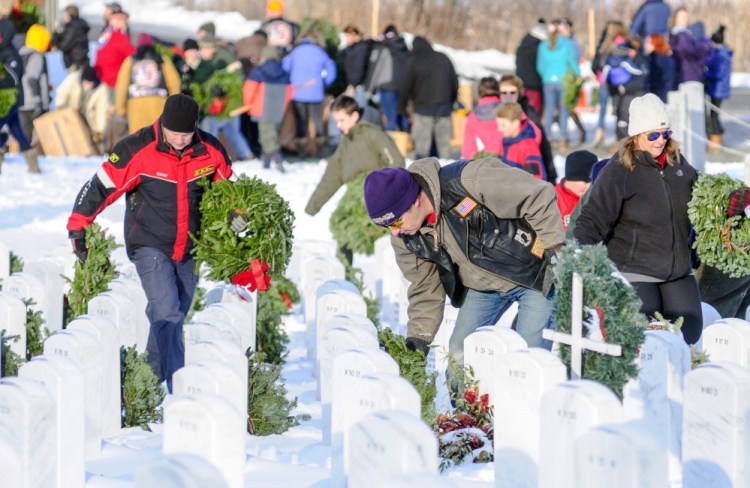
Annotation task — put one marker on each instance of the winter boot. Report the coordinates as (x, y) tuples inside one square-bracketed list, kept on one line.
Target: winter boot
[(303, 147), (715, 143), (278, 159), (599, 137), (266, 161), (31, 160)]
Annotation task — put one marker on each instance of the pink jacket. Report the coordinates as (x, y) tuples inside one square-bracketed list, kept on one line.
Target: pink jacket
[(480, 132)]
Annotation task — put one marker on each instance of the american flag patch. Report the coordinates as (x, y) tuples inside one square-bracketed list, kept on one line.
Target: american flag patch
[(465, 207)]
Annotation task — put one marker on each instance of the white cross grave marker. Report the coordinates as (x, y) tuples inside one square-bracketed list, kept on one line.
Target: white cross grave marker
[(575, 339)]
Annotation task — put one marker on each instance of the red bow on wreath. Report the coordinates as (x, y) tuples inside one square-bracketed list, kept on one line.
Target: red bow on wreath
[(253, 278)]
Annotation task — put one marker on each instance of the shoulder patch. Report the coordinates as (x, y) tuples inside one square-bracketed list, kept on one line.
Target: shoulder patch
[(465, 207), (113, 158)]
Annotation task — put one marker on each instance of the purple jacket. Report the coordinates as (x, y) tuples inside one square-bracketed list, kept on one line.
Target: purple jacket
[(690, 55), (311, 70)]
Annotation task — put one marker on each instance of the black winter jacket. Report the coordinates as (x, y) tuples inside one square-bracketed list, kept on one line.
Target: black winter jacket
[(356, 59), (641, 216), (430, 81), (11, 61), (73, 42), (526, 63)]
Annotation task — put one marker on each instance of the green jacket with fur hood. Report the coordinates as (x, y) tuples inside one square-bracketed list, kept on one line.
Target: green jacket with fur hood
[(509, 193)]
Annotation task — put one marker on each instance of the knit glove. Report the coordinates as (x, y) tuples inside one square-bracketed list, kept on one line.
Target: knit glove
[(80, 249)]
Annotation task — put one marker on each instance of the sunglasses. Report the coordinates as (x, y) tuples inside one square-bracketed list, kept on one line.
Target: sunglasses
[(396, 224), (508, 93), (652, 136)]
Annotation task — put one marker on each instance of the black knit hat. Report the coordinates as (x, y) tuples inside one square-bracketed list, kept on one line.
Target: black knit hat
[(88, 74), (578, 165), (180, 114), (189, 44)]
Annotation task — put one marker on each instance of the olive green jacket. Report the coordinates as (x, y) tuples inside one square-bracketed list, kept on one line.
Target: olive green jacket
[(364, 149)]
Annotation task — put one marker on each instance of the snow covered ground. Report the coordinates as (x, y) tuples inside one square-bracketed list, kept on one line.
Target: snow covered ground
[(33, 214)]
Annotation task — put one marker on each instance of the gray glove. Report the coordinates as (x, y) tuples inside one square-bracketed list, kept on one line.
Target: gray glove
[(237, 222), (549, 273)]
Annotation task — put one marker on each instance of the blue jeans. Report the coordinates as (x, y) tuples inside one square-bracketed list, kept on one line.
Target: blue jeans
[(389, 106), (553, 98), (169, 288), (13, 121), (231, 129), (485, 308), (603, 99)]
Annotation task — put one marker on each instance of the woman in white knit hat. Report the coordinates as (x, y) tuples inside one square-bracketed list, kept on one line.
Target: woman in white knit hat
[(638, 209)]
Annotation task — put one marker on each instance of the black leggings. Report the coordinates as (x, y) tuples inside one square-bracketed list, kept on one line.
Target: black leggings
[(674, 299)]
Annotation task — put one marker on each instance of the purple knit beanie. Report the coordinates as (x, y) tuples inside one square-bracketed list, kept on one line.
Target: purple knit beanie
[(389, 193)]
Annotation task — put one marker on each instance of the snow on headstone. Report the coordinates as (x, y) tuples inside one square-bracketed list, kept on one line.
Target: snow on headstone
[(331, 322), (620, 455), (51, 274), (523, 377), (13, 321), (85, 351), (569, 410), (226, 352), (437, 357), (234, 315), (211, 377), (120, 310), (375, 392), (387, 445), (63, 381), (27, 420), (338, 341), (133, 290), (728, 340), (180, 471), (348, 368), (333, 300), (210, 428), (108, 337), (716, 432), (483, 348), (655, 398), (4, 261)]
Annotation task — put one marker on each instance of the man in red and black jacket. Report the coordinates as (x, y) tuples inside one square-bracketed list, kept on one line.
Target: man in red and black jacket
[(158, 168)]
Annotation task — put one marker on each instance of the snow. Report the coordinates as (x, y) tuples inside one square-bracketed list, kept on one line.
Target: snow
[(33, 214)]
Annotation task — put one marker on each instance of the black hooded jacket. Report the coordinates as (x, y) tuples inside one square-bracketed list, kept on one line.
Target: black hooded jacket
[(430, 81), (73, 42), (10, 60)]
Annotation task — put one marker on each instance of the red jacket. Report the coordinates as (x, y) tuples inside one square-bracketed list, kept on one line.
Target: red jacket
[(116, 47), (566, 202), (522, 151), (480, 131), (163, 194)]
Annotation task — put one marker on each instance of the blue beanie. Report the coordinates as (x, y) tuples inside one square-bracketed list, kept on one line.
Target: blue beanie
[(389, 193)]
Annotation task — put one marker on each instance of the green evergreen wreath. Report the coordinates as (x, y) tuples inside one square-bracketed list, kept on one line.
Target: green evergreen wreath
[(269, 233), (230, 82), (350, 223), (722, 242), (605, 291)]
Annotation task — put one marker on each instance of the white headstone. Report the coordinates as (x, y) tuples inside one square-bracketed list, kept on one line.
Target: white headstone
[(84, 350), (120, 310), (376, 392), (339, 340), (211, 377), (437, 358), (654, 399), (302, 251), (333, 303), (10, 462), (390, 286), (133, 290), (180, 471), (51, 274), (387, 445), (331, 322), (522, 379), (64, 382), (108, 337), (728, 340), (221, 350), (482, 350), (211, 428), (13, 321), (217, 329), (239, 295), (569, 410), (620, 456), (716, 433), (4, 261), (315, 271), (28, 286), (310, 309), (234, 315), (27, 420)]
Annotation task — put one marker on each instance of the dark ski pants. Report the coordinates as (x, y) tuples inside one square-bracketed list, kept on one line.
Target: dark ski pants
[(674, 299)]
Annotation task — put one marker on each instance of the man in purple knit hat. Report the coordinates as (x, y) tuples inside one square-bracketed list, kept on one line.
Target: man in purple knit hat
[(480, 232)]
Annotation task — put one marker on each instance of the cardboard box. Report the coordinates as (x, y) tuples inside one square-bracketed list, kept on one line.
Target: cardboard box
[(458, 121), (403, 141), (64, 133)]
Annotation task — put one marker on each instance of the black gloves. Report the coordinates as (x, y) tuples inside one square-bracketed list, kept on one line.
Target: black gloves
[(417, 344), (79, 248), (237, 221)]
